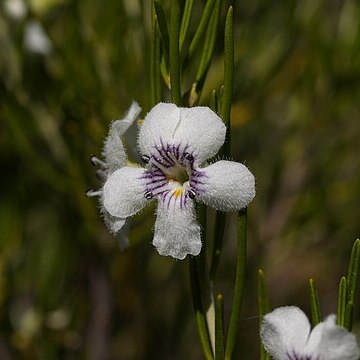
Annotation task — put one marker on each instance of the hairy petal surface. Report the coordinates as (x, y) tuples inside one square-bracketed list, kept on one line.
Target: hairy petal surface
[(202, 130), (285, 331), (113, 151), (177, 232), (123, 192), (332, 342), (227, 186), (159, 126)]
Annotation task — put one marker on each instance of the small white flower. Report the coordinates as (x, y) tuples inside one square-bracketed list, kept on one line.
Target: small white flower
[(15, 9), (287, 335), (36, 39), (114, 158), (175, 143)]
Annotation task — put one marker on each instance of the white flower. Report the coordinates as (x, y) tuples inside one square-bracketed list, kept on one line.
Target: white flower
[(115, 158), (36, 39), (174, 143), (15, 9), (286, 335)]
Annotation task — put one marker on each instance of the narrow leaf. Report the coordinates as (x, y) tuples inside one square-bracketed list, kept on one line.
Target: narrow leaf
[(155, 79), (185, 22), (341, 302), (316, 315), (160, 13), (174, 55), (219, 328), (202, 26), (263, 307), (349, 315), (353, 271), (228, 76), (239, 284), (352, 279)]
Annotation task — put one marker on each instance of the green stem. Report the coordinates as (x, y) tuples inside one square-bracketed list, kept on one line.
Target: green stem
[(239, 284), (263, 308), (200, 316), (219, 328), (174, 54)]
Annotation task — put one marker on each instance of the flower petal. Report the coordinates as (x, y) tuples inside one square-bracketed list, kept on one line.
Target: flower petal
[(202, 130), (284, 331), (113, 150), (123, 192), (332, 342), (226, 186), (177, 232), (159, 125)]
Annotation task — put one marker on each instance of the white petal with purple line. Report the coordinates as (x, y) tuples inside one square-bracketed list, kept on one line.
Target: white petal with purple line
[(177, 233), (202, 129), (285, 333), (124, 192), (227, 186), (159, 125)]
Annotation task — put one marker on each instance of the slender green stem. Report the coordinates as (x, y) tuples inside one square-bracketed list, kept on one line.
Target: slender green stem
[(316, 316), (185, 22), (239, 284), (341, 302), (219, 328), (174, 54), (263, 308), (202, 26)]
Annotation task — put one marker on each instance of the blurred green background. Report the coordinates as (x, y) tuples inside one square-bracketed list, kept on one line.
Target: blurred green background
[(69, 67)]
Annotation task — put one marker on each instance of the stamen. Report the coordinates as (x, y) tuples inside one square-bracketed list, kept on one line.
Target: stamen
[(158, 165), (101, 175), (148, 195), (96, 161), (145, 159), (92, 193)]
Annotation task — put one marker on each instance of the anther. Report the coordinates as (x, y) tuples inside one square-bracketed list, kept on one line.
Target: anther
[(192, 194), (148, 195), (145, 159), (188, 157)]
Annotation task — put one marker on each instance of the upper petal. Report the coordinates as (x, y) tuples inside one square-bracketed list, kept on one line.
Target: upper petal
[(332, 342), (198, 129), (123, 192), (113, 150), (285, 331), (177, 232), (159, 126), (226, 186), (202, 130)]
